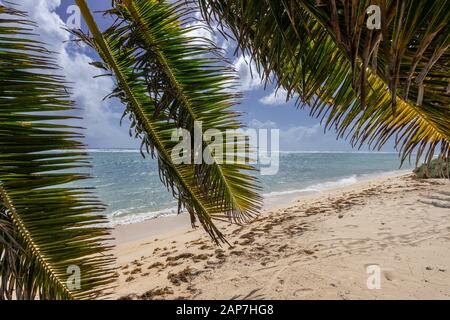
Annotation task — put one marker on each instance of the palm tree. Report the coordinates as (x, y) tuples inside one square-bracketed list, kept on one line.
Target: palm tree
[(50, 233), (45, 228), (369, 84), (169, 80)]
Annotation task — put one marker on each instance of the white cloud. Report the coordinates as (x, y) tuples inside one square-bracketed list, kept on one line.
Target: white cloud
[(99, 118), (277, 97), (297, 134), (249, 79), (311, 138), (201, 30), (303, 138), (256, 124)]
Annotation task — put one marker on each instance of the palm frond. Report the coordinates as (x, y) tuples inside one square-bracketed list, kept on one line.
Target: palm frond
[(46, 227), (167, 81), (365, 87)]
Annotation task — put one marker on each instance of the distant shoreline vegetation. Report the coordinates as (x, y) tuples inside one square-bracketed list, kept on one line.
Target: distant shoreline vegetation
[(436, 169)]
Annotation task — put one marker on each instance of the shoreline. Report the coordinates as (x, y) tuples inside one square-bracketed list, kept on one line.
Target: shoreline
[(124, 233), (317, 247)]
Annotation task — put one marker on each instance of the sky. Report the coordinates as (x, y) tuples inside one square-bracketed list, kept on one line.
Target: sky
[(262, 107)]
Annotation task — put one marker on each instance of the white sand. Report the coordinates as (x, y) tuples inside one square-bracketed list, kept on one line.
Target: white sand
[(318, 247)]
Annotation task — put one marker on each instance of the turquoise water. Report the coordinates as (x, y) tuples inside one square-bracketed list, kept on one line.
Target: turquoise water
[(131, 188)]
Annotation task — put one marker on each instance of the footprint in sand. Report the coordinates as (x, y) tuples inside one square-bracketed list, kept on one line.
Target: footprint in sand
[(302, 291), (388, 275)]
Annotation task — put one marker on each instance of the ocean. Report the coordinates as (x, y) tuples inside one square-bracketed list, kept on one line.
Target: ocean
[(130, 187)]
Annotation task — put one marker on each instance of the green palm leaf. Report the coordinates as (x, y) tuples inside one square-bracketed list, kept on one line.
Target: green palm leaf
[(167, 82), (46, 227), (367, 89)]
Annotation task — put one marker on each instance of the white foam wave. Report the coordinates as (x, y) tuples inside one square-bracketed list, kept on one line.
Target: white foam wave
[(113, 151), (332, 184), (316, 187), (134, 215), (333, 152)]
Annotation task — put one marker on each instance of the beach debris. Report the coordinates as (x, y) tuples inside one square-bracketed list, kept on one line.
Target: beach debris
[(200, 257), (137, 263), (131, 296), (154, 293), (186, 275), (149, 295), (166, 253), (156, 265), (220, 254), (173, 263), (294, 230), (205, 247), (185, 255), (247, 242), (136, 271), (197, 242)]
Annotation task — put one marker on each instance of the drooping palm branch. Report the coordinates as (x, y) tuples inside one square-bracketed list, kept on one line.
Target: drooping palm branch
[(168, 80), (370, 85), (46, 227)]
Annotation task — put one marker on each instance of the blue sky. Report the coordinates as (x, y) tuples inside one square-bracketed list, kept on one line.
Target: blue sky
[(261, 107)]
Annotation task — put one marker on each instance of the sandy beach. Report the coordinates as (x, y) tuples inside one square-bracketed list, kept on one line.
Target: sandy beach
[(323, 246)]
